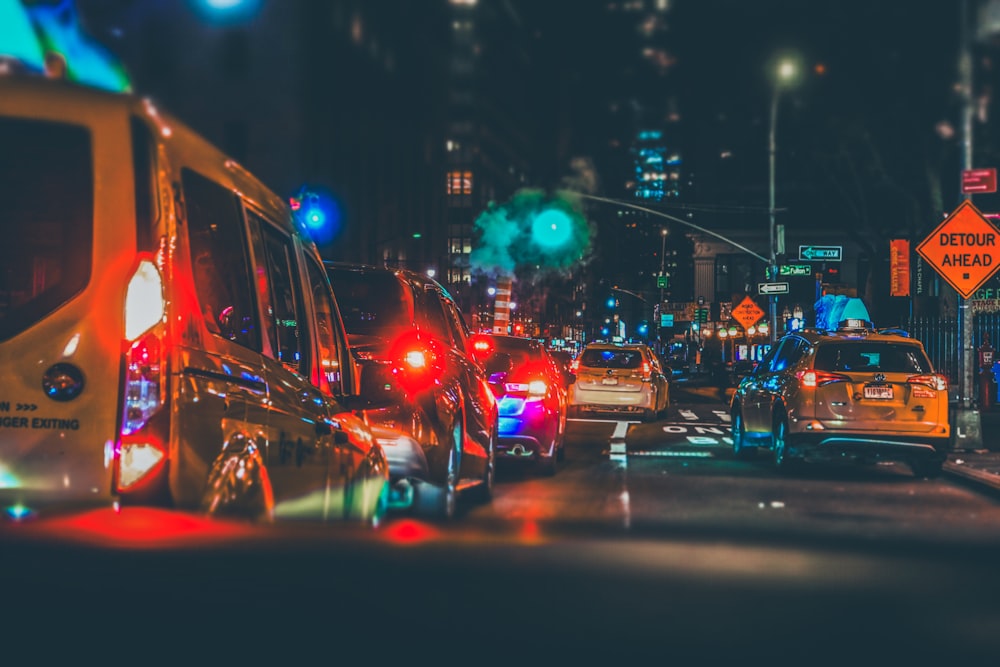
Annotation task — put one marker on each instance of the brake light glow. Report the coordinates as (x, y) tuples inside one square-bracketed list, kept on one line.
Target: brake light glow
[(813, 379), (144, 306), (932, 380), (574, 366), (646, 368), (416, 361), (537, 388), (482, 347), (141, 450), (143, 386)]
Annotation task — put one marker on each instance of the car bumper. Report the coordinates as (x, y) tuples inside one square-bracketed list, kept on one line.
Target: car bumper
[(827, 447), (612, 401), (526, 429)]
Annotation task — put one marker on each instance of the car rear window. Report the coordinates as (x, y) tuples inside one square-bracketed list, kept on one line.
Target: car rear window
[(597, 358), (371, 303), (871, 356), (46, 219), (520, 354)]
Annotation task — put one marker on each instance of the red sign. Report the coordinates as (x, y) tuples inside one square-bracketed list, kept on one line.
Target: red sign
[(748, 313), (964, 249), (899, 267), (979, 180)]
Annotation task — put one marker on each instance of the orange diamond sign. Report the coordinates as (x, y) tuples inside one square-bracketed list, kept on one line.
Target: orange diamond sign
[(964, 249), (747, 313)]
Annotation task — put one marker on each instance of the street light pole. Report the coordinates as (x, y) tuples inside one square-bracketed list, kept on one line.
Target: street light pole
[(785, 73), (772, 266)]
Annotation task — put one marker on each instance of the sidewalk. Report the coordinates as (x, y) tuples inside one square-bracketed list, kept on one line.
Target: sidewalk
[(981, 466)]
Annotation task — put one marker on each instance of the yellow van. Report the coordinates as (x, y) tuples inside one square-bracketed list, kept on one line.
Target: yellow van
[(168, 334)]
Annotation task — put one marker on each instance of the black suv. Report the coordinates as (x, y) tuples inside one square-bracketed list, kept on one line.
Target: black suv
[(411, 342)]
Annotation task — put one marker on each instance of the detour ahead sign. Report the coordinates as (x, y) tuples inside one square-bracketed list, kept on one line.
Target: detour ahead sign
[(964, 249)]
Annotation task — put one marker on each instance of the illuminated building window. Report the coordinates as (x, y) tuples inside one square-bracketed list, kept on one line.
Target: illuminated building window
[(459, 183)]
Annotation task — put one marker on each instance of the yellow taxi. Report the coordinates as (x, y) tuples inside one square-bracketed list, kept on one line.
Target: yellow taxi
[(853, 394)]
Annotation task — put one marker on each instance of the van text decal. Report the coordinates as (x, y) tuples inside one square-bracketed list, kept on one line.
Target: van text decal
[(40, 423)]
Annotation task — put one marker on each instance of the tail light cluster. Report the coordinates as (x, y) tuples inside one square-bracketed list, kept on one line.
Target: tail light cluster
[(142, 445), (813, 378), (932, 380), (482, 347), (417, 361)]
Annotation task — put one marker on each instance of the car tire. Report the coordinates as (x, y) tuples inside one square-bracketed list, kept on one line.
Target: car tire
[(484, 493), (441, 502), (926, 469), (782, 461), (649, 415), (741, 449), (547, 465)]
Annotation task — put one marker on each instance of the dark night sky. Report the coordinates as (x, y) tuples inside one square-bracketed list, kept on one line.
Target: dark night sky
[(871, 116)]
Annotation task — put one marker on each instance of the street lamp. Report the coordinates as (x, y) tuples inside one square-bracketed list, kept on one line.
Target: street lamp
[(785, 73)]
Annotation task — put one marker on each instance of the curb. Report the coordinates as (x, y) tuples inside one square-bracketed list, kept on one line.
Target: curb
[(990, 479)]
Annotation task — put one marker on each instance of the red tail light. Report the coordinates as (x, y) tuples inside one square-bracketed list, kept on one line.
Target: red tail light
[(482, 347), (417, 361), (646, 369), (142, 445), (815, 379), (574, 366), (932, 380)]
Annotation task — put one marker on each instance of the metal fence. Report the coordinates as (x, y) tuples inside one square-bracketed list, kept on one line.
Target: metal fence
[(942, 340)]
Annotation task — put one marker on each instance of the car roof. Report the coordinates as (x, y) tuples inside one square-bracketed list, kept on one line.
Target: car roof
[(415, 278)]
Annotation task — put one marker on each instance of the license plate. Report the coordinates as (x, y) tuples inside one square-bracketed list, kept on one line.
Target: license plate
[(878, 391), (609, 381)]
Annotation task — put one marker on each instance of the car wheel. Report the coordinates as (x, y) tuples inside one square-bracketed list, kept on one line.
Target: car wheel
[(485, 491), (381, 508), (740, 448), (782, 461), (649, 415), (441, 502), (926, 469), (547, 464)]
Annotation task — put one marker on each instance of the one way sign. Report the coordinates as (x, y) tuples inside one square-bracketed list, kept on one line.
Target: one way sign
[(772, 288), (830, 253)]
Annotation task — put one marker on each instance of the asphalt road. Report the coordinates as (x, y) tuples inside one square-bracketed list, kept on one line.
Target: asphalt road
[(651, 542)]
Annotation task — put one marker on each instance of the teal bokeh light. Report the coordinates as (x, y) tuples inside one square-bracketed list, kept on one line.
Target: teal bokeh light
[(551, 228)]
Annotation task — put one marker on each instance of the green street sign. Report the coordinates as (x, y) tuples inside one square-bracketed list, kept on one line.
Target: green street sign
[(794, 270), (661, 281)]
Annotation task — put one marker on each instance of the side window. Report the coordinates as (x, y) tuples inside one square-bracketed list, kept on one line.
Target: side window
[(457, 325), (282, 295), (765, 364), (789, 352), (430, 314), (219, 261), (331, 348)]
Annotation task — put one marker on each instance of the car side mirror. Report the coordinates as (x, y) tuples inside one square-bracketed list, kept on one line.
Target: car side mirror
[(568, 378)]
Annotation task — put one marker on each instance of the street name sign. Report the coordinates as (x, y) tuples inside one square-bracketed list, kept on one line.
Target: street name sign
[(772, 288), (979, 180), (821, 253), (795, 270), (963, 249), (747, 313)]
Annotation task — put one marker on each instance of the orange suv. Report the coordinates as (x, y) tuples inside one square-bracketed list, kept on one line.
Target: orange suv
[(853, 394)]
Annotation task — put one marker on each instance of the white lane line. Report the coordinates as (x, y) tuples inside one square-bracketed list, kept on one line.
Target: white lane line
[(687, 414)]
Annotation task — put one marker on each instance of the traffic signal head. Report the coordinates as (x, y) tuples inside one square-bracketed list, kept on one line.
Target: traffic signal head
[(318, 212)]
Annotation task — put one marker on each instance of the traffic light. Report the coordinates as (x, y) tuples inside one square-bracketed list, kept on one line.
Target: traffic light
[(318, 211), (701, 315)]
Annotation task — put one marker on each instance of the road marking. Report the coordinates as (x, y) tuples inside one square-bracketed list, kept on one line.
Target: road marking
[(722, 415), (687, 414), (672, 454)]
